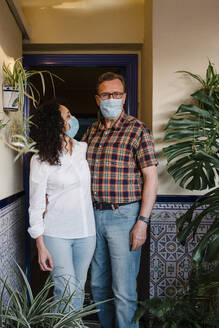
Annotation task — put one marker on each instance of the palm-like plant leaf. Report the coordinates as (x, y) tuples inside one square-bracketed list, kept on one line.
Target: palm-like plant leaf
[(196, 151), (193, 161), (195, 306), (208, 247)]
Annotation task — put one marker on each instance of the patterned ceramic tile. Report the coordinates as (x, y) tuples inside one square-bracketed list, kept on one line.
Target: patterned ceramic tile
[(170, 261), (12, 239)]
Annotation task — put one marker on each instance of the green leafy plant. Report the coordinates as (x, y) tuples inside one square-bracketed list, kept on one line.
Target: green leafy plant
[(19, 78), (193, 161), (3, 124), (18, 136), (22, 309), (194, 156), (194, 307), (207, 249)]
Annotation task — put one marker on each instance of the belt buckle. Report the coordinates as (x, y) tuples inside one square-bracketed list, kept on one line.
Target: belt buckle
[(115, 206), (100, 206)]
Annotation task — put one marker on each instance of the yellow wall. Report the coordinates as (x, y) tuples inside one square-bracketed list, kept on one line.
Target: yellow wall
[(90, 22), (10, 48), (85, 21), (179, 35), (146, 95), (185, 35)]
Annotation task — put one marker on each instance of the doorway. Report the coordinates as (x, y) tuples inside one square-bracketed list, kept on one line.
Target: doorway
[(126, 63), (76, 91), (80, 74)]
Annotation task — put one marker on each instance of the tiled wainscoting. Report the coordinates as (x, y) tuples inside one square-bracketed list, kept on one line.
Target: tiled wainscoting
[(170, 261), (12, 236)]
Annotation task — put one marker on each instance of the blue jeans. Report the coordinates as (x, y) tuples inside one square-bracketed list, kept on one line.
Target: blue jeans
[(115, 267), (71, 260)]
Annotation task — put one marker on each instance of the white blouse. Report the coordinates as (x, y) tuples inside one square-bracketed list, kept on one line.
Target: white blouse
[(68, 187)]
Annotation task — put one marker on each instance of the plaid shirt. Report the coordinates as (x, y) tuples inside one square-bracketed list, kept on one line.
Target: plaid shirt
[(116, 157)]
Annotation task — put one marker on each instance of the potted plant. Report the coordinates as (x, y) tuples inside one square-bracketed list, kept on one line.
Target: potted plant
[(17, 85), (10, 98)]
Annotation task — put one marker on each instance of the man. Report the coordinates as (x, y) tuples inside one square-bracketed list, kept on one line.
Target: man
[(124, 183)]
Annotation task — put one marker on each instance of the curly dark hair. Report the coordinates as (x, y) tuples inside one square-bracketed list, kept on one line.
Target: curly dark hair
[(47, 132)]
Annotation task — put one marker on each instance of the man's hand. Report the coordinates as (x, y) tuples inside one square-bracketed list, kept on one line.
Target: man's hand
[(138, 235)]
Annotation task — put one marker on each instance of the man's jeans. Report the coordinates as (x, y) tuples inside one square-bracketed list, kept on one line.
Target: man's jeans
[(71, 260), (114, 267)]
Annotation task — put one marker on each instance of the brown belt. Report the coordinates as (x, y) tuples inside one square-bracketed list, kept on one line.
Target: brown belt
[(108, 206)]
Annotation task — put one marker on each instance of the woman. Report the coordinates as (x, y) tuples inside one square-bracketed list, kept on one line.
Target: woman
[(64, 229)]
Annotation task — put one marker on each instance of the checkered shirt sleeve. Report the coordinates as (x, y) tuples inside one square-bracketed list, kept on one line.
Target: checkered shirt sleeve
[(145, 153)]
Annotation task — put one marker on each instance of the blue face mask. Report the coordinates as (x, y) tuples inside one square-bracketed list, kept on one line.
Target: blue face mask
[(74, 127), (111, 108)]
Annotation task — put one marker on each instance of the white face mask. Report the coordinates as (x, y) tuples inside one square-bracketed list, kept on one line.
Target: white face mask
[(111, 108)]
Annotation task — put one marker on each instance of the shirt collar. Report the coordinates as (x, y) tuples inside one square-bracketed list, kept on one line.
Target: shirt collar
[(117, 124)]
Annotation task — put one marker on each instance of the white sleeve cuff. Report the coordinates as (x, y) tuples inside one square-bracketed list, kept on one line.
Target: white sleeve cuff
[(36, 230)]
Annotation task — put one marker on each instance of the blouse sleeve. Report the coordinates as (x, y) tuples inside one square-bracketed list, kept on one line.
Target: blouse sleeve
[(38, 185)]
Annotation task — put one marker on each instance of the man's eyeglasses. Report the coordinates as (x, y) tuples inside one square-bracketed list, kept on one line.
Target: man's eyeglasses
[(107, 95)]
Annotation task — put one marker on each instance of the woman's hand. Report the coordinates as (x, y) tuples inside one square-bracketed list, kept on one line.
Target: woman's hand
[(44, 257)]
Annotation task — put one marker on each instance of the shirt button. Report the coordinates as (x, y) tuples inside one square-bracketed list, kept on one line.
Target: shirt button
[(95, 192)]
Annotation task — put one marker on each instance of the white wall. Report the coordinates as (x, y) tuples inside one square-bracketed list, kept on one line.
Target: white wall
[(185, 35), (10, 49)]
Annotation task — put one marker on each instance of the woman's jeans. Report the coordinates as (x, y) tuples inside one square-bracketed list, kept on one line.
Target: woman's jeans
[(115, 267), (71, 260)]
